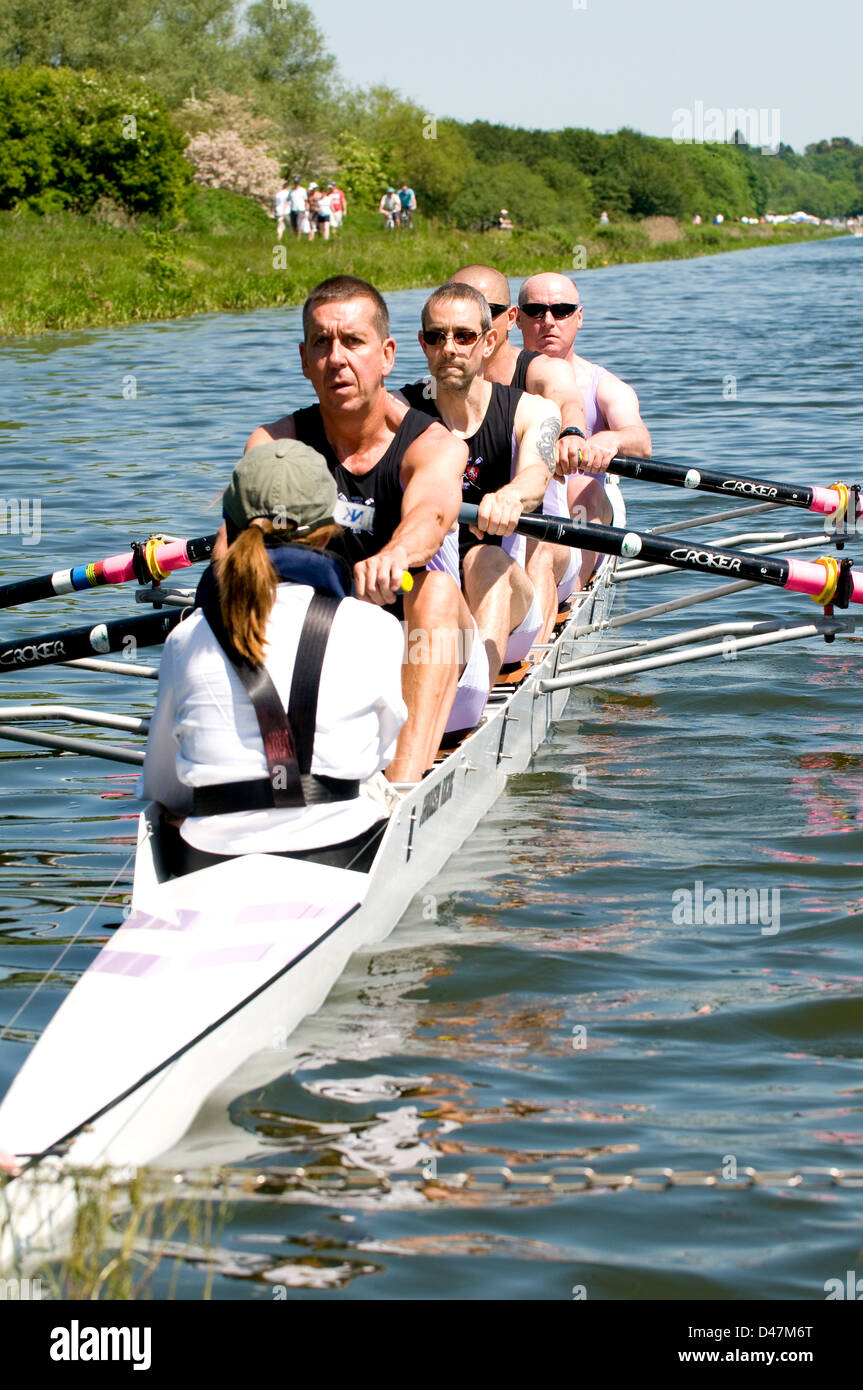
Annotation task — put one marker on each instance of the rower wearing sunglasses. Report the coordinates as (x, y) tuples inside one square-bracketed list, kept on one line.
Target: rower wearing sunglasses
[(555, 570), (549, 316), (511, 437)]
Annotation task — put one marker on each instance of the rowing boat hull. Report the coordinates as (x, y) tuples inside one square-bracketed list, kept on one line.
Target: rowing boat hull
[(191, 985)]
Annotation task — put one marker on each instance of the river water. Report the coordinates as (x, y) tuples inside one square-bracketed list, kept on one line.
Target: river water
[(550, 1002)]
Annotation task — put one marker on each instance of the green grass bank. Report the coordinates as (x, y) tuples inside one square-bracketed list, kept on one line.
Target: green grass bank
[(63, 271)]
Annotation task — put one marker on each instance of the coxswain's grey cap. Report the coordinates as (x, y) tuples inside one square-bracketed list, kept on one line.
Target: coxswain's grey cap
[(284, 480)]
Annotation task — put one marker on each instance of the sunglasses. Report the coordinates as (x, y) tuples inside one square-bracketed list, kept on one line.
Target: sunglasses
[(497, 309), (557, 311), (462, 337)]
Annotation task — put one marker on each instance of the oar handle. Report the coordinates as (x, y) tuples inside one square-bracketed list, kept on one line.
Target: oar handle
[(161, 558)]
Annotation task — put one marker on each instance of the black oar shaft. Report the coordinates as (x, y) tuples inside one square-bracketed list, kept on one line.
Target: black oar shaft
[(680, 554), (123, 634), (707, 480)]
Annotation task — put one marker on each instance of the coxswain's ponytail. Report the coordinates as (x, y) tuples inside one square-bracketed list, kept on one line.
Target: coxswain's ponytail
[(247, 583)]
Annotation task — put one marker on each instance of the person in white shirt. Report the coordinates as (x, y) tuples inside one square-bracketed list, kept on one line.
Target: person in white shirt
[(281, 203), (298, 200), (205, 751), (325, 212), (390, 207)]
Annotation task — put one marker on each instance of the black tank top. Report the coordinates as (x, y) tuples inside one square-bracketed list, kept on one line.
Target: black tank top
[(519, 376), (380, 488), (491, 450)]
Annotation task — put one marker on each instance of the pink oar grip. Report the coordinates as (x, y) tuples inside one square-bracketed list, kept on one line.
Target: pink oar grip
[(826, 499), (805, 577), (117, 569)]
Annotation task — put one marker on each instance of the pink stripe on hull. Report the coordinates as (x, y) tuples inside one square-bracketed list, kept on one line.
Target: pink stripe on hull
[(128, 963)]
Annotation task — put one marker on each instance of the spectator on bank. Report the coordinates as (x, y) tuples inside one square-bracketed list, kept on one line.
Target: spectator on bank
[(338, 205), (324, 214), (297, 204), (696, 221), (407, 205), (718, 219), (603, 219), (504, 221), (314, 199), (280, 208), (390, 208)]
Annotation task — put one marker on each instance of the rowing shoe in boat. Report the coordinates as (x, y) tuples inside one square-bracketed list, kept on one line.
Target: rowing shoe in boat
[(209, 968)]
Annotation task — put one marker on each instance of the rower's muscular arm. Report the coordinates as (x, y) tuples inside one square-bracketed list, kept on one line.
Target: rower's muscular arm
[(431, 474), (555, 379), (626, 432), (537, 426)]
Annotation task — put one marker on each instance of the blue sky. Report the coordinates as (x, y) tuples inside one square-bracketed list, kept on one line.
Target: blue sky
[(610, 63)]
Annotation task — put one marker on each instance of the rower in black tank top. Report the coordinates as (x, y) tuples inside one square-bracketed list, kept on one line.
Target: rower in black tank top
[(376, 496), (519, 376), (492, 450)]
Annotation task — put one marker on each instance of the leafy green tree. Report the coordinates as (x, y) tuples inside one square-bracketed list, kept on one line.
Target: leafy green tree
[(69, 139), (360, 170), (529, 201)]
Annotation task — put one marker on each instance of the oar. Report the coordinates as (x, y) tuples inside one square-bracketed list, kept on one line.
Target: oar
[(152, 559), (147, 630), (828, 580), (824, 500)]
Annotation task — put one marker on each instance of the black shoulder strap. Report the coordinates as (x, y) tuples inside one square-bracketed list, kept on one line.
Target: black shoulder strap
[(303, 702), (278, 739)]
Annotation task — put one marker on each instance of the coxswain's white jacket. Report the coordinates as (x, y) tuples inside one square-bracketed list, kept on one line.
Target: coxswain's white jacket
[(204, 728)]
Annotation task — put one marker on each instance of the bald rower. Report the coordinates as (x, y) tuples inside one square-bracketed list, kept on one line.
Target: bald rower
[(555, 570), (549, 316)]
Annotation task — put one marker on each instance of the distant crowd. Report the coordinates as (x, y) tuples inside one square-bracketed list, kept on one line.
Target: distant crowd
[(312, 210), (309, 210)]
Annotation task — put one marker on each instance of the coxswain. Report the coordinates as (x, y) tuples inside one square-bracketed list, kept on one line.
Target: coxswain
[(555, 570), (550, 313), (399, 479), (511, 438), (276, 768)]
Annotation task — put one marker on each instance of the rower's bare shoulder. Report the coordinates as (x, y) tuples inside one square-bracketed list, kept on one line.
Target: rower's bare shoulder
[(611, 390), (551, 374), (265, 434), (436, 445), (397, 407)]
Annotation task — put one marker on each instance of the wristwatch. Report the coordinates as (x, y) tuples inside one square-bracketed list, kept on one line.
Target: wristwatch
[(572, 429)]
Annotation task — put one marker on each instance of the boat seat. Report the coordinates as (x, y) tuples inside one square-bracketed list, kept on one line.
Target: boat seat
[(513, 673)]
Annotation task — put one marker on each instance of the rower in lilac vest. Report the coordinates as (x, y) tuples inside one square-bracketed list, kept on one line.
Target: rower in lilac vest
[(550, 314)]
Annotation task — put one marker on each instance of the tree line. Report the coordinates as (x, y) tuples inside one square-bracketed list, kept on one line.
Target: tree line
[(258, 84)]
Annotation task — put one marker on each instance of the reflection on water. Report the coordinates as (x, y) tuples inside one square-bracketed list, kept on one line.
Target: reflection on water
[(553, 1012)]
